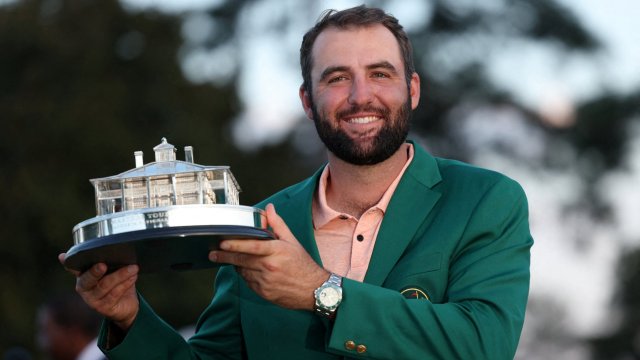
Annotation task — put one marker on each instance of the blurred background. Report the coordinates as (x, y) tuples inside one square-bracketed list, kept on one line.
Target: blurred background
[(545, 91)]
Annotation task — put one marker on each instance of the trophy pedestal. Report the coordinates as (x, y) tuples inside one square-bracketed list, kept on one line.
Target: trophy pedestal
[(158, 239)]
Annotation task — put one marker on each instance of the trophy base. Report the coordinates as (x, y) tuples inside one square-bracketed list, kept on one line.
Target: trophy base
[(161, 249)]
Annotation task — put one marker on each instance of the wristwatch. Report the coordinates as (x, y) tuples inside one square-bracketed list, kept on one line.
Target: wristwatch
[(328, 297)]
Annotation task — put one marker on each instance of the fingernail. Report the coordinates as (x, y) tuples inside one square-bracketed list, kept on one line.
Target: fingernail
[(131, 269), (97, 269), (213, 256), (224, 245)]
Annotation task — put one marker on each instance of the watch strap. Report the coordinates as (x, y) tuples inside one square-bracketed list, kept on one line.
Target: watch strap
[(335, 279)]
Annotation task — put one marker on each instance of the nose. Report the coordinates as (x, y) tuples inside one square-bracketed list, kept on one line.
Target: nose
[(361, 92)]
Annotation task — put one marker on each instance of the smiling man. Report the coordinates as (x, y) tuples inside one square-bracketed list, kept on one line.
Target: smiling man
[(358, 82), (384, 253)]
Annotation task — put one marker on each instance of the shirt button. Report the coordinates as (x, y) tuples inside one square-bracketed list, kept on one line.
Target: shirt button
[(360, 237), (361, 349), (350, 345)]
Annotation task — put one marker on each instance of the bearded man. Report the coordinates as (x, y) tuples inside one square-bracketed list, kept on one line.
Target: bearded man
[(384, 253)]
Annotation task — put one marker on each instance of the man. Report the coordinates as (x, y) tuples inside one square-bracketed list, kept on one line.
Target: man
[(385, 253), (67, 329)]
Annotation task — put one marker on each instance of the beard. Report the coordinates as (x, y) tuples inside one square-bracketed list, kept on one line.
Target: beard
[(386, 142)]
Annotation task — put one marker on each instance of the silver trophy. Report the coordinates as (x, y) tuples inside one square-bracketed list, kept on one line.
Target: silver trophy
[(164, 215)]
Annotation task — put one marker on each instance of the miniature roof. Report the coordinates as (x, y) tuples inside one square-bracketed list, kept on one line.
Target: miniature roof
[(161, 168), (165, 164)]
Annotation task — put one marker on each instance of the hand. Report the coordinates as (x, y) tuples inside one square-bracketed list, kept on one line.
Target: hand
[(113, 296), (278, 270)]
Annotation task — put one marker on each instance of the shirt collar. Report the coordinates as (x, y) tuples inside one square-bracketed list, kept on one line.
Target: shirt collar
[(323, 213)]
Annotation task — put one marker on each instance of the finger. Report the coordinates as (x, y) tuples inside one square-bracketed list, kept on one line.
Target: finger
[(120, 288), (238, 259), (248, 246), (89, 279), (105, 283), (61, 258), (279, 227)]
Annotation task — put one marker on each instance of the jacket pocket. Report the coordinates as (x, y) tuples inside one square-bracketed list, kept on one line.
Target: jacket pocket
[(415, 264)]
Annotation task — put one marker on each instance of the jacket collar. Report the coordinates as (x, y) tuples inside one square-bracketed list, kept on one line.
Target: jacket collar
[(412, 201), (410, 204)]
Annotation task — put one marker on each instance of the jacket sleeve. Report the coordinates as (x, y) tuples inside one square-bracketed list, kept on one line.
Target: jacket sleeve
[(482, 314), (218, 334)]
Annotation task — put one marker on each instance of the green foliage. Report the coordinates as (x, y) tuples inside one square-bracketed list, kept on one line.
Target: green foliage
[(603, 127)]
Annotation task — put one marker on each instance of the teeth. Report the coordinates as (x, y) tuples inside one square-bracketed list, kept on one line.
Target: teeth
[(363, 120)]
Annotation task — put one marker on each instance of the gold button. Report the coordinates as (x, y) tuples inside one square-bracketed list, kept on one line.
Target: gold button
[(361, 349), (350, 345)]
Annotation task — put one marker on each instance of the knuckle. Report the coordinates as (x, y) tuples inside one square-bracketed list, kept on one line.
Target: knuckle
[(258, 247), (81, 285), (227, 258), (103, 286), (270, 266)]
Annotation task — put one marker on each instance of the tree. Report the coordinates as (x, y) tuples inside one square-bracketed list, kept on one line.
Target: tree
[(623, 342)]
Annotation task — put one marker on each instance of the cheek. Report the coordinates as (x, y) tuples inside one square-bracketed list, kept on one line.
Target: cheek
[(329, 99), (394, 97)]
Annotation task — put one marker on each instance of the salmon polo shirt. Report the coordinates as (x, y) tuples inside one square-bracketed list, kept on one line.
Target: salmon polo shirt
[(344, 242)]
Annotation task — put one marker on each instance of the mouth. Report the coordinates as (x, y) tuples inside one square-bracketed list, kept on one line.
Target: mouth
[(362, 122), (363, 119), (362, 127)]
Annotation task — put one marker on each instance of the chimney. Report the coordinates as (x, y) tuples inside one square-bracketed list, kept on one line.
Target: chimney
[(139, 160)]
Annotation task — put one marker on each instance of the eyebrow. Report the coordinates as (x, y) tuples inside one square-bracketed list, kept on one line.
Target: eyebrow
[(378, 65), (332, 69), (384, 65)]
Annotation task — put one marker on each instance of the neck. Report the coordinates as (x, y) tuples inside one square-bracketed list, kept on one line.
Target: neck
[(353, 189)]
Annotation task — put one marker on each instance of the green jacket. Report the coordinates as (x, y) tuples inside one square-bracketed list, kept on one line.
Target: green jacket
[(456, 234)]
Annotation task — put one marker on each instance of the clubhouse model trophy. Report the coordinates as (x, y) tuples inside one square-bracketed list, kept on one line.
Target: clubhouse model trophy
[(164, 215)]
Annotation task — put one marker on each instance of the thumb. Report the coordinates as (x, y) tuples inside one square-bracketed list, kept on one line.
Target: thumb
[(277, 224)]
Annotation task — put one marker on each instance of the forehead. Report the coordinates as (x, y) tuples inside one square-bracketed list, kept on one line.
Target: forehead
[(355, 46)]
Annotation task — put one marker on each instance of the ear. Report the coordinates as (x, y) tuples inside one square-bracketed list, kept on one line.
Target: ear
[(414, 90), (306, 102)]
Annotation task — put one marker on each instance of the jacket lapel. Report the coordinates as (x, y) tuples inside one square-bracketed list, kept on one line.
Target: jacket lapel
[(410, 204), (297, 215)]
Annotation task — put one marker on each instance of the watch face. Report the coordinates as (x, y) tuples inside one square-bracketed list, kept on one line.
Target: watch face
[(329, 296)]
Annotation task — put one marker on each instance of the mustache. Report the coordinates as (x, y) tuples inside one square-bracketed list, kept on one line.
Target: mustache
[(355, 109)]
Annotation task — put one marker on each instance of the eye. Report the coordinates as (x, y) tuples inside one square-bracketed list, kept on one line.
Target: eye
[(379, 74), (336, 79)]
